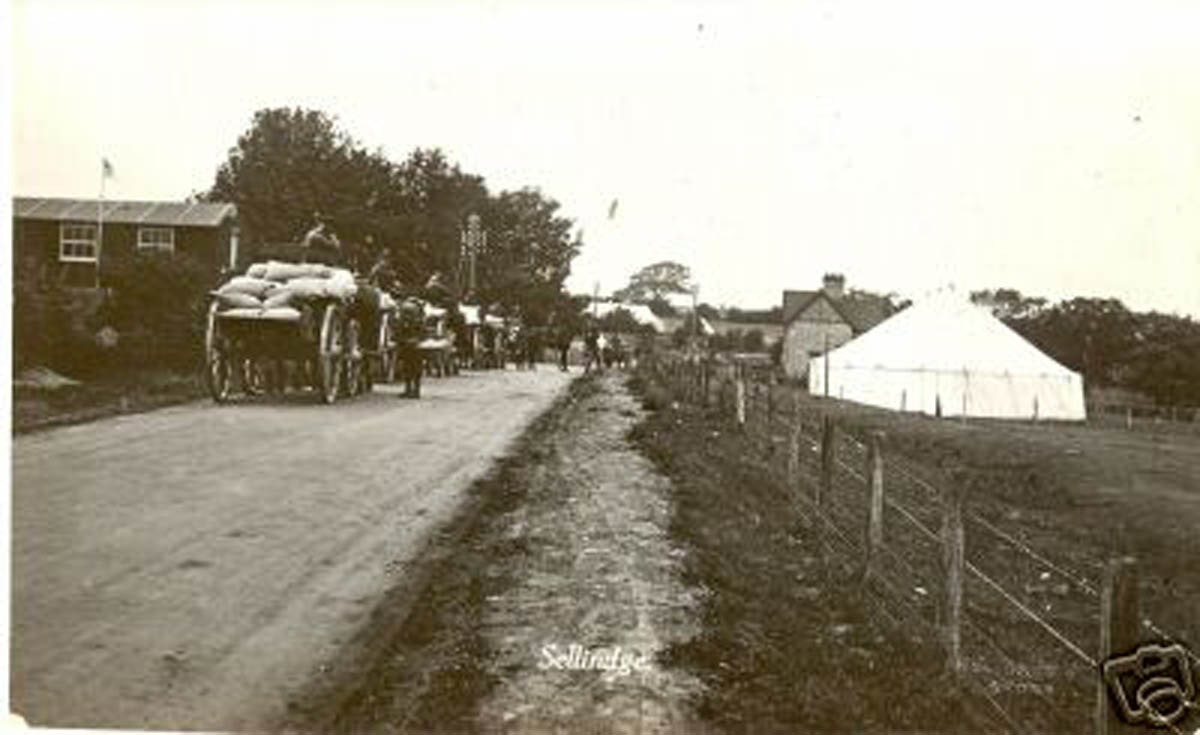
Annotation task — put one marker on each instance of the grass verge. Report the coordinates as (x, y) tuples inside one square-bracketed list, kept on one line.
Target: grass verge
[(789, 642), (133, 392)]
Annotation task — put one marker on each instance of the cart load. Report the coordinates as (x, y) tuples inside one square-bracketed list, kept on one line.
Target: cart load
[(312, 318), (284, 287)]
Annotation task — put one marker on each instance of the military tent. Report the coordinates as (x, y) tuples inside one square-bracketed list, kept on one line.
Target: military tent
[(946, 356)]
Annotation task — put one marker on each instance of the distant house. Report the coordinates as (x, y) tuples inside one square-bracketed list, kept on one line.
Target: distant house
[(640, 313), (816, 321), (68, 239)]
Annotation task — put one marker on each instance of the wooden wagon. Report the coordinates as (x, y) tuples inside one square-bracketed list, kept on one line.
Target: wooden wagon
[(323, 341)]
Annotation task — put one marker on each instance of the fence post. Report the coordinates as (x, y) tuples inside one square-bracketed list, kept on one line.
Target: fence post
[(794, 443), (874, 540), (953, 542), (770, 402), (828, 451), (1128, 418), (1118, 635), (741, 401)]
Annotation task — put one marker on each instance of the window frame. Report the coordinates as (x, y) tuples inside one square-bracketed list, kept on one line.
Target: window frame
[(63, 241), (164, 246)]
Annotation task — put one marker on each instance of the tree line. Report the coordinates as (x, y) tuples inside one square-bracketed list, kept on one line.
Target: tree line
[(1153, 354), (293, 163)]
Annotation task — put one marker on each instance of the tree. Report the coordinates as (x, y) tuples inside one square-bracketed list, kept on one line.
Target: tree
[(619, 320), (292, 163), (1008, 303), (655, 281), (754, 341), (528, 254)]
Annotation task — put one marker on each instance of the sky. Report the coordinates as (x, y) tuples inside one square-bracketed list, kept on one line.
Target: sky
[(1049, 147)]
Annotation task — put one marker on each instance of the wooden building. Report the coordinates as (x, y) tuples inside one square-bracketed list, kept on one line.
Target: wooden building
[(74, 241)]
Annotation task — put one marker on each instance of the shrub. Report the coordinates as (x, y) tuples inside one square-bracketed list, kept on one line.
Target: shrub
[(158, 307)]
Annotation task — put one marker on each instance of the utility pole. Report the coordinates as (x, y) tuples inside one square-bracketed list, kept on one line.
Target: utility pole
[(695, 319), (473, 237)]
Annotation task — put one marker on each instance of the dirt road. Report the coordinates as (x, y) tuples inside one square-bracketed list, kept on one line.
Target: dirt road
[(194, 567)]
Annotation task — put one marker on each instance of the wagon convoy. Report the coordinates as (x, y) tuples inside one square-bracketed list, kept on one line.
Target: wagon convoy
[(312, 325)]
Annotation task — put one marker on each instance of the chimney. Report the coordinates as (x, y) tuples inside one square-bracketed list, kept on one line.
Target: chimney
[(834, 285)]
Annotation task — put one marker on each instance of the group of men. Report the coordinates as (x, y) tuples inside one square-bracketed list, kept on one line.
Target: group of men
[(322, 245), (602, 352)]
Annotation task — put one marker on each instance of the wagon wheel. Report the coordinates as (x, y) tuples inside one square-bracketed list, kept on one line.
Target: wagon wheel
[(217, 363), (254, 383), (352, 360), (387, 350), (330, 347)]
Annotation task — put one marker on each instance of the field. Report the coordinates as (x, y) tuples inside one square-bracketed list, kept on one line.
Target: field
[(1046, 507)]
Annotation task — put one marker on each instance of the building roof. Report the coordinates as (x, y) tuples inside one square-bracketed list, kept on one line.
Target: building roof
[(860, 311), (794, 302), (166, 214), (640, 313)]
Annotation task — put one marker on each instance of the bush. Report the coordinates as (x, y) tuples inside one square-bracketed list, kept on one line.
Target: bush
[(159, 305), (40, 321)]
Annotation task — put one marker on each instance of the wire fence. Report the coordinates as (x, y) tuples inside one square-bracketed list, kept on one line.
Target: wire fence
[(1144, 417), (1027, 634)]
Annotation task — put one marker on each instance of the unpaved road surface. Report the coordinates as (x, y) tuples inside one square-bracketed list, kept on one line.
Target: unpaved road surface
[(194, 567), (578, 639)]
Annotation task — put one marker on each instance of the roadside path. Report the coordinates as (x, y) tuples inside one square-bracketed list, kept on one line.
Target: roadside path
[(600, 575)]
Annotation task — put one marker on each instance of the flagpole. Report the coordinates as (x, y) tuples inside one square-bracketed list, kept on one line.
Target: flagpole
[(100, 220)]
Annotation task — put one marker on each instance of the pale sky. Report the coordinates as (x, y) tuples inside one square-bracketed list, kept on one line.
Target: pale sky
[(1049, 147)]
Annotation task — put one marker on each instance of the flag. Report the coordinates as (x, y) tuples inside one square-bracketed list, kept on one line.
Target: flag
[(106, 168), (612, 209)]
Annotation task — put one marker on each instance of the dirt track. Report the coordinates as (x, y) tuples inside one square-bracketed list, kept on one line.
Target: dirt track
[(194, 567)]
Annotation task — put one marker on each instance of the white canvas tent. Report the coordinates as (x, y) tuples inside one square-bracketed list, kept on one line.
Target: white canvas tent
[(640, 313), (948, 356)]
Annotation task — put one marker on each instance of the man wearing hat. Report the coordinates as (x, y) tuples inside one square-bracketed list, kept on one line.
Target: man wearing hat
[(320, 244)]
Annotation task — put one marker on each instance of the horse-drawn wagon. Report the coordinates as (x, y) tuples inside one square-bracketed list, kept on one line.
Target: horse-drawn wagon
[(305, 320)]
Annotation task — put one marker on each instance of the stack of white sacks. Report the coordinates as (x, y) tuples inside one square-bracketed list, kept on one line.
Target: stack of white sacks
[(275, 290)]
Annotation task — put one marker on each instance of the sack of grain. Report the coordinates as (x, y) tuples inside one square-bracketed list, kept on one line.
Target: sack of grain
[(258, 270), (284, 272), (341, 284), (248, 285), (280, 297), (235, 300), (282, 314), (307, 288)]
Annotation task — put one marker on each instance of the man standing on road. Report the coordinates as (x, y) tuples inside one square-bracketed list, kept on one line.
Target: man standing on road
[(412, 323), (563, 343), (592, 341)]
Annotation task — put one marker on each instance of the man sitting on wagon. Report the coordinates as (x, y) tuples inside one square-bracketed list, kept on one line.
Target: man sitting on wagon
[(320, 244)]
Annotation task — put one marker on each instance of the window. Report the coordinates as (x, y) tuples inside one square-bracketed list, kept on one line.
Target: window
[(77, 243), (159, 238)]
